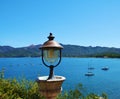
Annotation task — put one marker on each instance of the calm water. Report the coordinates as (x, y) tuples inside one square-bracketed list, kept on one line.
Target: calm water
[(73, 69)]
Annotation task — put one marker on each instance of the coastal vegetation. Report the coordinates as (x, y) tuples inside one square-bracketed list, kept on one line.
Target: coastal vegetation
[(13, 89), (24, 89)]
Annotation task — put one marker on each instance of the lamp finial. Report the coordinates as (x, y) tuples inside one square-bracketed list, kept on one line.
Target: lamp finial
[(51, 37)]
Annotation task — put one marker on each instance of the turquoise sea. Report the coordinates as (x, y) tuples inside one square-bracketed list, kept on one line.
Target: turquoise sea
[(73, 69)]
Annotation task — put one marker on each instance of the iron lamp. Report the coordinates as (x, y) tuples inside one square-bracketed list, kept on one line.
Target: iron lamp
[(51, 54)]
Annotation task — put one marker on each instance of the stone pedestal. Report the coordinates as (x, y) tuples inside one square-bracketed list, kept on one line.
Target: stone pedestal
[(50, 88)]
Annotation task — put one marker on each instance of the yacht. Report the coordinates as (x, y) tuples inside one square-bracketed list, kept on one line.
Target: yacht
[(104, 68), (89, 74)]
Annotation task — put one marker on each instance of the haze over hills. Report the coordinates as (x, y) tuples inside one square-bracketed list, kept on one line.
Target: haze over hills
[(68, 51)]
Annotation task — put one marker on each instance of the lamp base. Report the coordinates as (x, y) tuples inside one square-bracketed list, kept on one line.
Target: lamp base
[(50, 88)]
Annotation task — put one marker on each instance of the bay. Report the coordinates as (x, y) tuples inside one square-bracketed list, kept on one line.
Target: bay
[(73, 69)]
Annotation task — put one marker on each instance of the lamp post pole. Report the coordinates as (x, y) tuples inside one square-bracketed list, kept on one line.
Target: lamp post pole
[(51, 74), (50, 86)]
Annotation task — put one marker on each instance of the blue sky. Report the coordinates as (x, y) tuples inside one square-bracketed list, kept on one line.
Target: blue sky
[(78, 22)]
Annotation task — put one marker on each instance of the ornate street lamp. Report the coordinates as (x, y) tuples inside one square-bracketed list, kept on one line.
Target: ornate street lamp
[(51, 54), (50, 86)]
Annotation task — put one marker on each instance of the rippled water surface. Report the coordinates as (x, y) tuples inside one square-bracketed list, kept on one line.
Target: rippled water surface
[(73, 69)]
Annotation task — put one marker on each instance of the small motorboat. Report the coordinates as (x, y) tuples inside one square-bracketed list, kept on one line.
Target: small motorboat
[(89, 74), (105, 68)]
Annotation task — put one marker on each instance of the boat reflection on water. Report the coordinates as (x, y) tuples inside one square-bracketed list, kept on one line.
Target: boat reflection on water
[(91, 68)]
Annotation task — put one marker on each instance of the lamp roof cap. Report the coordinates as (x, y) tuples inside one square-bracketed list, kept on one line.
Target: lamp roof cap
[(51, 43)]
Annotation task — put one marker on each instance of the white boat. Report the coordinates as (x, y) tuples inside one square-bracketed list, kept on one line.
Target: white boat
[(105, 68), (89, 74)]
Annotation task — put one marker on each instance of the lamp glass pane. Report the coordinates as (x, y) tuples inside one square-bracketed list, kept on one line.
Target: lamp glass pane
[(51, 56)]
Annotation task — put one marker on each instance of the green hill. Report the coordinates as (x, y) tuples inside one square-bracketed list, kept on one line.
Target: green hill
[(68, 51)]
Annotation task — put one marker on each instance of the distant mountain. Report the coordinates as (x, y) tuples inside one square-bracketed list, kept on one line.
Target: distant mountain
[(68, 51), (82, 51), (5, 49), (30, 51)]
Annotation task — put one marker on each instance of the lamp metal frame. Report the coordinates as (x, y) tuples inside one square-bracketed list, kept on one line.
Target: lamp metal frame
[(53, 45)]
